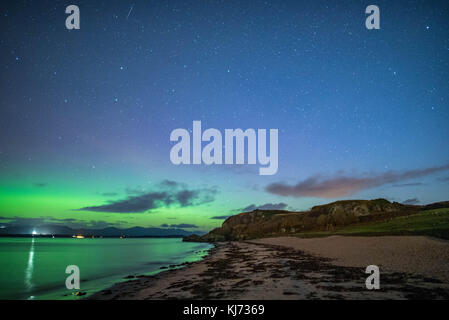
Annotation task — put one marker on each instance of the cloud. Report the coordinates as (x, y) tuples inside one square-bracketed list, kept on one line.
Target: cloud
[(180, 225), (169, 194), (266, 206), (135, 191), (252, 207), (140, 203), (413, 184), (40, 184), (186, 197), (341, 186), (109, 194), (220, 217), (444, 179), (170, 183), (411, 201)]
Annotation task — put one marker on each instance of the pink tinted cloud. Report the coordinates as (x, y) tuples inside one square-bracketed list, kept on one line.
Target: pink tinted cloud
[(342, 186)]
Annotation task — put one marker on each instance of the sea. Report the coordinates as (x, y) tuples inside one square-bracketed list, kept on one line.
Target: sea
[(35, 267)]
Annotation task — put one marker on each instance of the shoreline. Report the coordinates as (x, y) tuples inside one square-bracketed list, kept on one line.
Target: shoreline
[(284, 268)]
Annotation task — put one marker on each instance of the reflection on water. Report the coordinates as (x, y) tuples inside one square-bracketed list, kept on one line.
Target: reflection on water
[(29, 269), (34, 268)]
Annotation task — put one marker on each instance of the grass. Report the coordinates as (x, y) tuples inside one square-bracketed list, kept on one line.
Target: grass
[(433, 223)]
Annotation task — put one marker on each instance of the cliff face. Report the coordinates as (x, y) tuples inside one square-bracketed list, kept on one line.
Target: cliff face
[(360, 208), (264, 223)]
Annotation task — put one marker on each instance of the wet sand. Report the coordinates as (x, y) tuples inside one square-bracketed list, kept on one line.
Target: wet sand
[(290, 268)]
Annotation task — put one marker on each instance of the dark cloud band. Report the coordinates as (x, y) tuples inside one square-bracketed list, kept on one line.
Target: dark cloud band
[(172, 194), (266, 206)]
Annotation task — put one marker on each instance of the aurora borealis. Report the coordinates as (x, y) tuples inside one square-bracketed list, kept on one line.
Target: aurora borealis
[(86, 114)]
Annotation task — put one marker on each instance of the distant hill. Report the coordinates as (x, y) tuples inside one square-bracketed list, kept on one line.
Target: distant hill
[(436, 205), (106, 232), (328, 217)]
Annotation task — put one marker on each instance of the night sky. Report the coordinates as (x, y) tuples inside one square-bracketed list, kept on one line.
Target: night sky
[(86, 114)]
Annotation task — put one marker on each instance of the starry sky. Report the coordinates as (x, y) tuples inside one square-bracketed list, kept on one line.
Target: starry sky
[(86, 114)]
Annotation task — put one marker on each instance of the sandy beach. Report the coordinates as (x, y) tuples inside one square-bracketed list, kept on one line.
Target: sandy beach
[(294, 268), (412, 254)]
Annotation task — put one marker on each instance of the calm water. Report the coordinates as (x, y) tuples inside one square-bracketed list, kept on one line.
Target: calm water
[(34, 268)]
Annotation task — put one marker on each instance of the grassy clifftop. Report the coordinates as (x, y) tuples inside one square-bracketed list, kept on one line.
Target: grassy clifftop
[(354, 217)]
